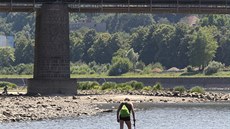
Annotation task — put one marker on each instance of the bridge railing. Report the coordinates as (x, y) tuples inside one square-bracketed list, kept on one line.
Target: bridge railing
[(118, 5)]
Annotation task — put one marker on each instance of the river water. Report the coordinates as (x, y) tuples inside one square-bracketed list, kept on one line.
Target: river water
[(152, 116)]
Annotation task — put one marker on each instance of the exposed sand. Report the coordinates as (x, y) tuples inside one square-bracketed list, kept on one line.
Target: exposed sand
[(24, 108)]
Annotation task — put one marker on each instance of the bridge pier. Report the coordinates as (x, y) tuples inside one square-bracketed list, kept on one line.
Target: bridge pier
[(52, 55)]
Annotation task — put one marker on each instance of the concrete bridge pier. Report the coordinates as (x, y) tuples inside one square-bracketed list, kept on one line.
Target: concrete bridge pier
[(52, 55)]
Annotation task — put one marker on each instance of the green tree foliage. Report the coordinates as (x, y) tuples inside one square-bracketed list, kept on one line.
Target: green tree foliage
[(202, 48), (119, 66), (164, 35), (99, 51), (170, 42), (76, 46), (8, 84), (179, 47), (160, 45), (138, 38), (223, 53), (88, 40), (4, 27), (216, 20), (126, 22), (6, 56), (213, 67), (197, 89), (24, 47), (133, 57)]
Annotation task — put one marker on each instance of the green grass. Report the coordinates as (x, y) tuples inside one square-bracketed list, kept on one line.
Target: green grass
[(16, 76), (138, 75)]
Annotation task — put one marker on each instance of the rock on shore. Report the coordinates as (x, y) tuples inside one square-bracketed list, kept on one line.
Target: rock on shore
[(24, 108), (15, 108)]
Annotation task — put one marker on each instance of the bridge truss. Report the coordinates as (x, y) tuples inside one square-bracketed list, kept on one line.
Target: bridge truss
[(123, 6)]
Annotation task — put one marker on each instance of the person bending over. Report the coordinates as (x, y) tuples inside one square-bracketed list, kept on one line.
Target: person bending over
[(124, 113)]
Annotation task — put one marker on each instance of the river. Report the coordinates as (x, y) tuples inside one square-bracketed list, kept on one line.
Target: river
[(150, 116)]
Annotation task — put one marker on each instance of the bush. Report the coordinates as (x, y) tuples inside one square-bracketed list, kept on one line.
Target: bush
[(8, 84), (87, 85), (213, 67), (96, 87), (157, 86), (80, 68), (108, 86), (197, 89), (181, 89), (24, 69), (157, 65), (136, 85), (124, 87), (120, 66), (150, 67), (140, 65), (147, 88)]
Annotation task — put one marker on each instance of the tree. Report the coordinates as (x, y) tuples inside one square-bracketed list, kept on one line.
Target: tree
[(119, 66), (133, 57), (223, 51), (126, 22), (5, 27), (178, 46), (88, 40), (202, 47), (215, 20), (6, 56), (24, 47), (138, 38), (98, 51), (76, 46)]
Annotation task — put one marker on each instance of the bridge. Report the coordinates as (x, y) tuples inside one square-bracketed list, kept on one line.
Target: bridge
[(123, 6), (52, 55)]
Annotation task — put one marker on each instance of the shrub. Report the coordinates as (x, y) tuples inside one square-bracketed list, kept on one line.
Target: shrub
[(120, 66), (80, 68), (87, 85), (157, 65), (157, 86), (181, 89), (150, 67), (127, 88), (8, 84), (136, 85), (213, 67), (147, 88), (108, 86), (124, 87), (197, 89), (26, 69), (140, 65), (96, 87)]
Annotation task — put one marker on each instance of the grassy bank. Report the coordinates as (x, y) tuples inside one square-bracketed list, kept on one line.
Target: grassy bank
[(137, 75)]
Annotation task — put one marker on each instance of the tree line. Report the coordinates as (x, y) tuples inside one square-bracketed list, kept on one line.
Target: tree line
[(134, 38)]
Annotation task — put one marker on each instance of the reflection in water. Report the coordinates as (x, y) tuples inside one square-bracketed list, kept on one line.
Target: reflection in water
[(179, 116)]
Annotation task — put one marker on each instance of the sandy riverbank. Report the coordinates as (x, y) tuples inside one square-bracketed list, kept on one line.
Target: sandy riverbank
[(25, 108)]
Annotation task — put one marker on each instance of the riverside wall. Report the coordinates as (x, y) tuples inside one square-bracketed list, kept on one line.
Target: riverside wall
[(210, 82)]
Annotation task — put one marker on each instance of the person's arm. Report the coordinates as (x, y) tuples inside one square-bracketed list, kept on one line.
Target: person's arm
[(118, 112), (133, 113)]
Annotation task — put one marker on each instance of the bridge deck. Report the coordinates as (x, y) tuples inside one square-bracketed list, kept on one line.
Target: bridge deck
[(123, 6)]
